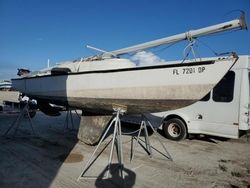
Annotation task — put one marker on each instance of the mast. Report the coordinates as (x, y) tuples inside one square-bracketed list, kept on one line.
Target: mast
[(239, 23)]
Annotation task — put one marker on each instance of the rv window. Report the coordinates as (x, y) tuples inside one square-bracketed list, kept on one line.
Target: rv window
[(224, 90), (206, 98), (249, 79)]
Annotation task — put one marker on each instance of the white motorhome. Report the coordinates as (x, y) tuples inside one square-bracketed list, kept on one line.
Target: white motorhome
[(222, 112)]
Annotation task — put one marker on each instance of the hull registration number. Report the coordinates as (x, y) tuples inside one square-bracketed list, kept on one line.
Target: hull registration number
[(192, 70)]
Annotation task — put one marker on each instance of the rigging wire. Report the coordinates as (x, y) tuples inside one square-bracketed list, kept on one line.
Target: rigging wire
[(164, 48), (236, 10), (190, 49), (157, 51), (206, 45)]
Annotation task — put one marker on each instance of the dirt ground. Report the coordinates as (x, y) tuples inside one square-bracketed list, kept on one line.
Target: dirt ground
[(54, 158)]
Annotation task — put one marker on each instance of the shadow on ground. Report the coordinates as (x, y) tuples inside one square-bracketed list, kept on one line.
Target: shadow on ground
[(115, 178), (29, 160), (33, 161), (200, 137)]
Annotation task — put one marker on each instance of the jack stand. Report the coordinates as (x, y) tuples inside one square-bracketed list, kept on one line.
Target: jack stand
[(66, 123), (115, 140), (148, 147), (15, 125), (77, 114)]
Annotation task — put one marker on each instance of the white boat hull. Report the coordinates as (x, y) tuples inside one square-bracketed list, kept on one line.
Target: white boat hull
[(140, 89)]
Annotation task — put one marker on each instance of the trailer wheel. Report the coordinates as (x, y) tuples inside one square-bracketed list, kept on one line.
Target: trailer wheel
[(174, 129)]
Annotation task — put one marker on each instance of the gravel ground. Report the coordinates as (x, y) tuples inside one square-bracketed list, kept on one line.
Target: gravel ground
[(54, 158)]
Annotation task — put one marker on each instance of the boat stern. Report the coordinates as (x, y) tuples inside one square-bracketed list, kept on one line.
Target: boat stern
[(19, 84)]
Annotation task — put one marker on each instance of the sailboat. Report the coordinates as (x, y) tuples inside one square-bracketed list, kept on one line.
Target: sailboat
[(101, 83)]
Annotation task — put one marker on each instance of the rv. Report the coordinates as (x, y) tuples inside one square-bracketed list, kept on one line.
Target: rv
[(223, 112)]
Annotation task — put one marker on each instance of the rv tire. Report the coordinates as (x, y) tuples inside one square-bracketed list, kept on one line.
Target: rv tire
[(175, 129)]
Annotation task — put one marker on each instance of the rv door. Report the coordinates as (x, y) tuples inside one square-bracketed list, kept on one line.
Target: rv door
[(245, 101)]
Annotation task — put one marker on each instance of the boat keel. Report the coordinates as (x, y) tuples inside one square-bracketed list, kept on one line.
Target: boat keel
[(92, 127)]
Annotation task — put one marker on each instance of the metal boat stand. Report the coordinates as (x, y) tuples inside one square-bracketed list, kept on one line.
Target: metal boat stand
[(16, 124), (116, 140), (69, 120), (148, 146)]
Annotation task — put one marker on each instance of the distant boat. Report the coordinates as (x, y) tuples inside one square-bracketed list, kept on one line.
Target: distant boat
[(5, 85), (101, 83)]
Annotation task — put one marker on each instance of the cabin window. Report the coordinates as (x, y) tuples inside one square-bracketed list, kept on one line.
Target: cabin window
[(206, 98), (224, 90)]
